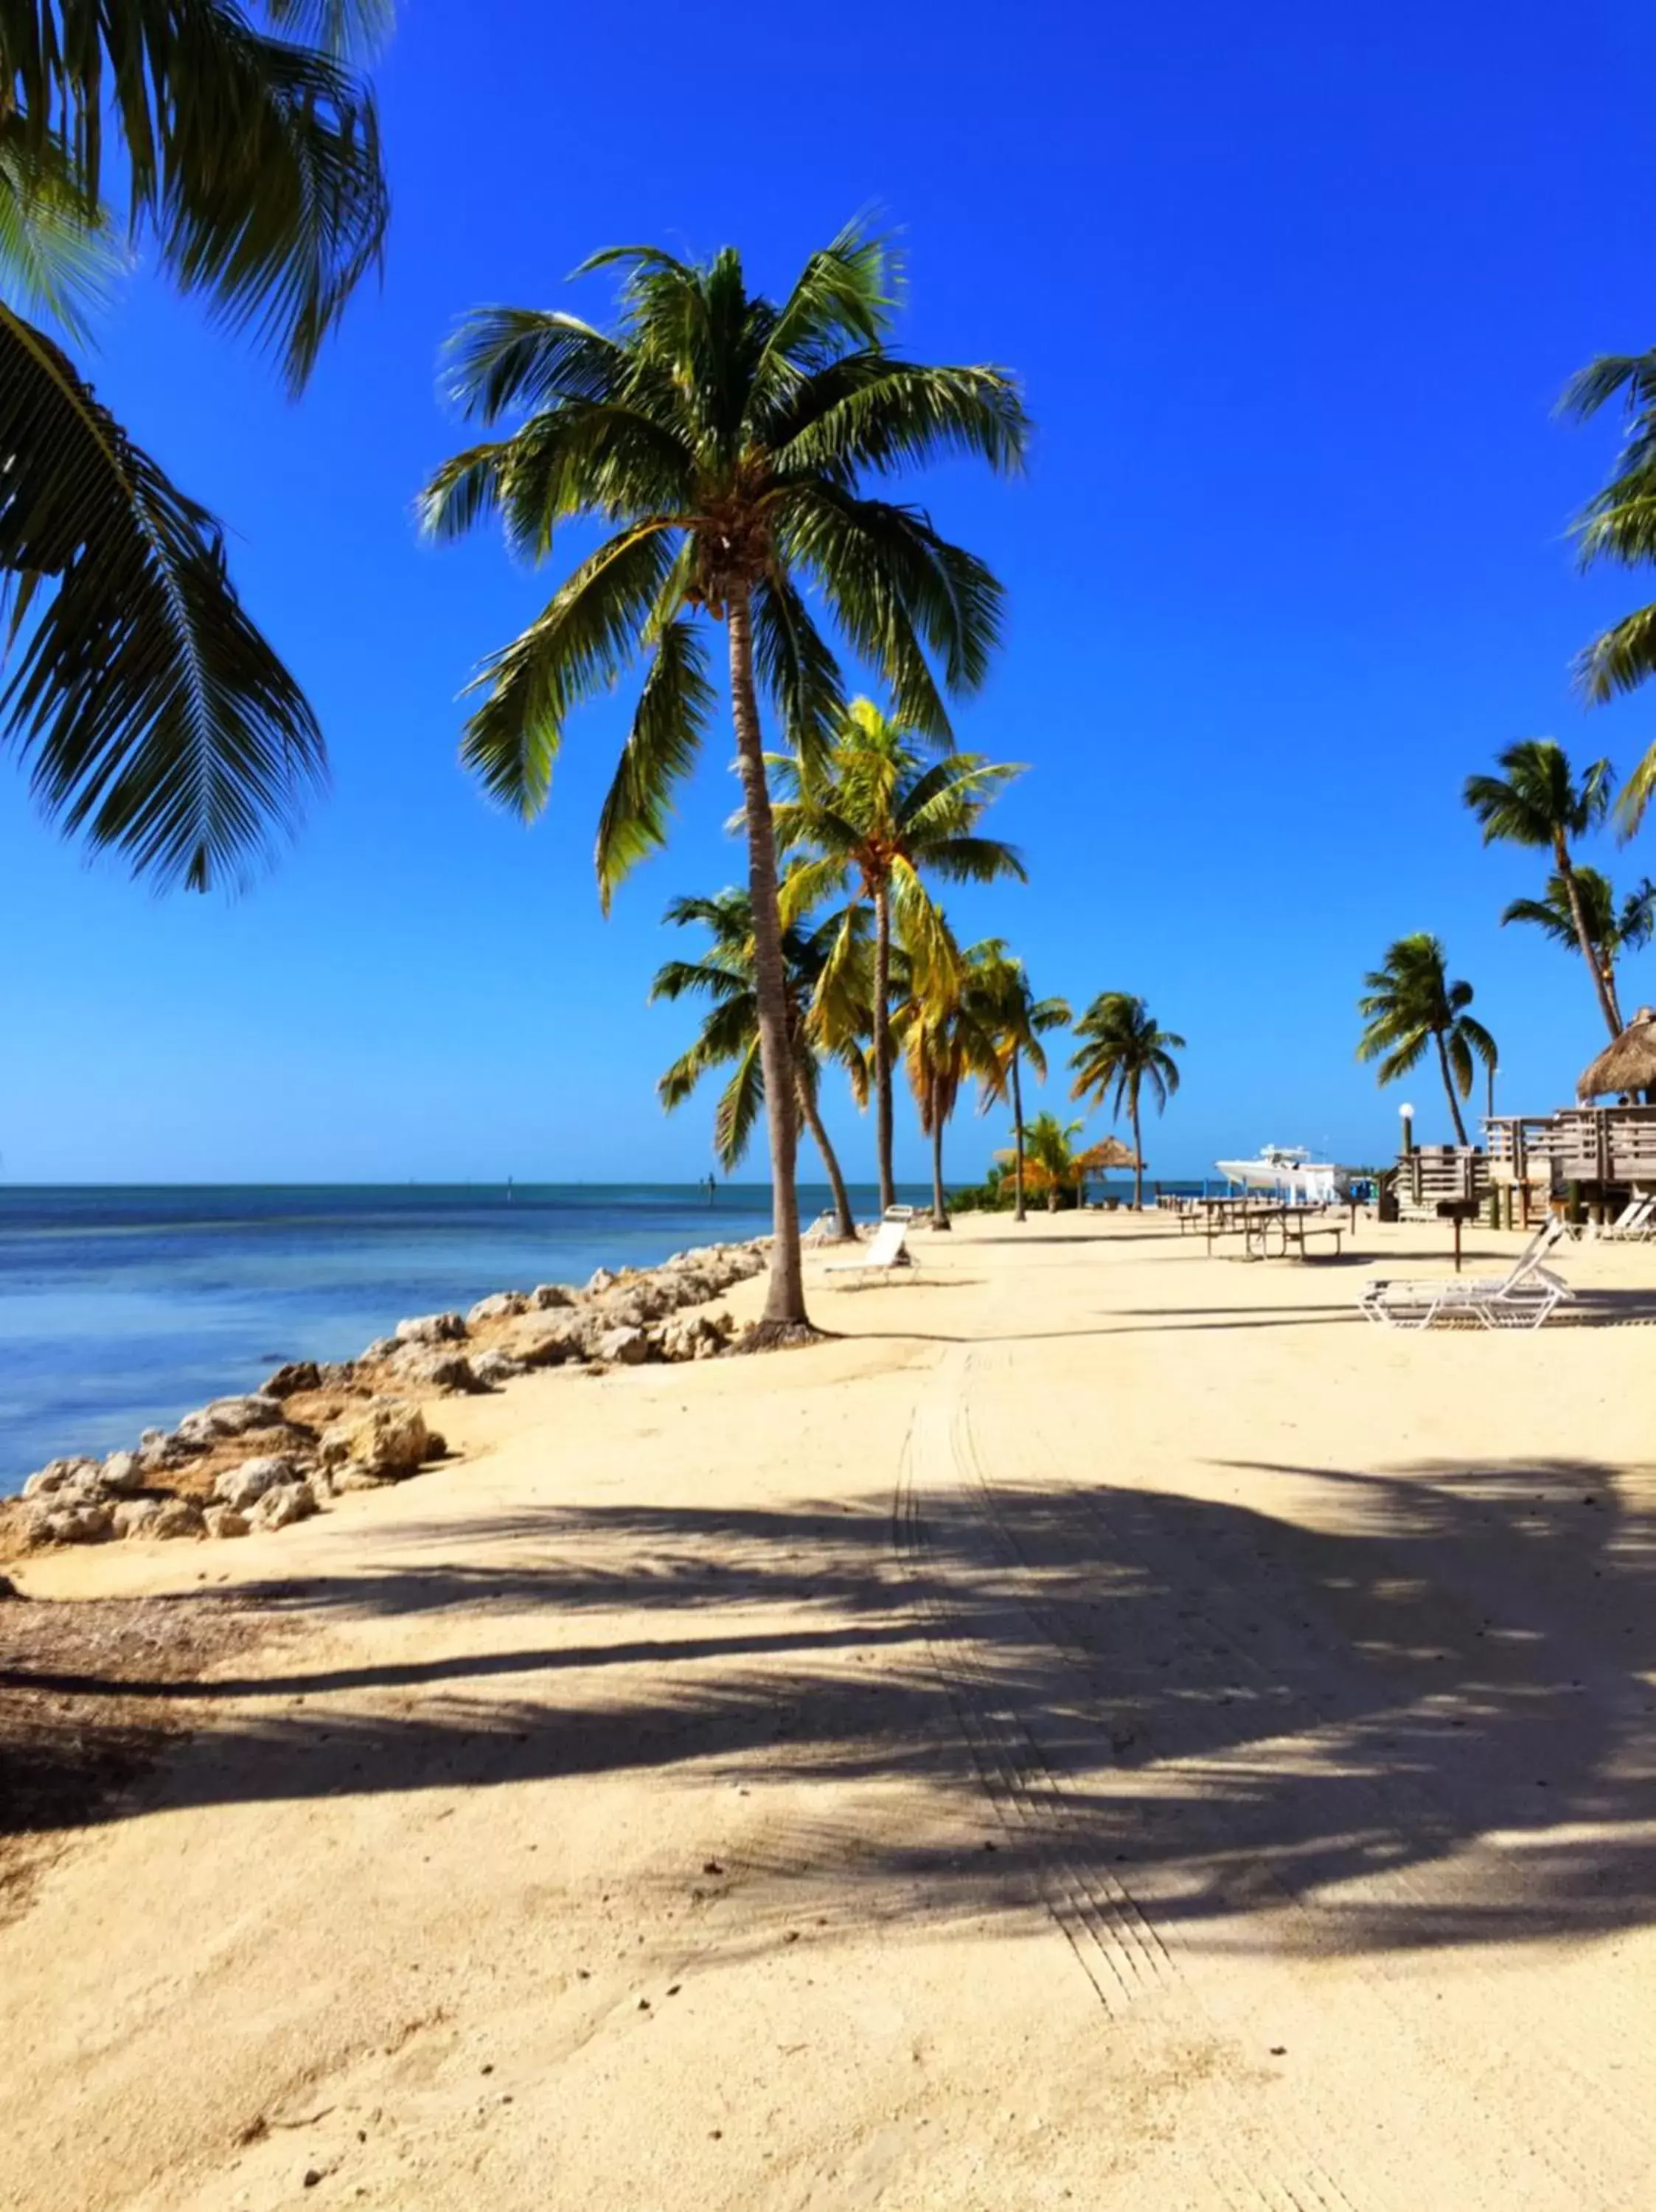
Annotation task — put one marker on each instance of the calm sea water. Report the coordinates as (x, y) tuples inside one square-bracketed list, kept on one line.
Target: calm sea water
[(122, 1308)]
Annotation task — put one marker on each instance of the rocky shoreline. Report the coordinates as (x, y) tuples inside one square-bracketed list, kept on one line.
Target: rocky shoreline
[(259, 1463)]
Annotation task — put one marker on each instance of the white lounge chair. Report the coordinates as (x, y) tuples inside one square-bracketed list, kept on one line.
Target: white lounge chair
[(888, 1251), (1521, 1299), (1633, 1223), (823, 1230), (899, 1213)]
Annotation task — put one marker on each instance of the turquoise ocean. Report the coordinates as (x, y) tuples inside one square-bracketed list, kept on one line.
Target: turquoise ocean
[(120, 1308)]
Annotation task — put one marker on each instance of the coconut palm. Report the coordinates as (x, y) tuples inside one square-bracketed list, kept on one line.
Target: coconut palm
[(1538, 801), (1122, 1049), (1017, 1021), (945, 1038), (728, 1037), (153, 719), (877, 816), (1410, 1005), (726, 440), (1613, 928)]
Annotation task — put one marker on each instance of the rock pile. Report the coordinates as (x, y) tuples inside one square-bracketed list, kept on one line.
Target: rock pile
[(273, 1456)]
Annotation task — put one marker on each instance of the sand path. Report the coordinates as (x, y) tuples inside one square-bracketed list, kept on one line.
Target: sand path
[(1111, 1729)]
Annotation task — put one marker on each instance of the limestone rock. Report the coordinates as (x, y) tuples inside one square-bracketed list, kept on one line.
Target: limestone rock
[(494, 1368), (244, 1485), (234, 1417), (178, 1516), (133, 1516), (540, 1343), (381, 1348), (281, 1507), (226, 1521), (388, 1438), (502, 1306), (431, 1328), (297, 1375), (121, 1474), (63, 1477), (623, 1347), (442, 1371), (436, 1447), (601, 1280), (336, 1374), (87, 1523), (547, 1296)]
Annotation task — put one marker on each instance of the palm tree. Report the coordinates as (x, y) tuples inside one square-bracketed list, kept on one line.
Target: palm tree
[(877, 816), (1619, 525), (1122, 1047), (153, 719), (1538, 802), (1409, 1005), (729, 438), (1015, 1021), (945, 1039), (1612, 928), (729, 1036)]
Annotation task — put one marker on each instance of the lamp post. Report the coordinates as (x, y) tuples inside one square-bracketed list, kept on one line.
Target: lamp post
[(1406, 1114)]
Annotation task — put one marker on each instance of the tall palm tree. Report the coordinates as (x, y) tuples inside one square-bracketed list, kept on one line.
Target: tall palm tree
[(153, 719), (946, 1041), (1017, 1021), (730, 1037), (1410, 1005), (1619, 525), (1539, 802), (877, 816), (1121, 1047), (729, 437), (1613, 928)]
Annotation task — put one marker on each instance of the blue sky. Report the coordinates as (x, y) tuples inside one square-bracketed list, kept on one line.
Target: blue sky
[(1292, 291)]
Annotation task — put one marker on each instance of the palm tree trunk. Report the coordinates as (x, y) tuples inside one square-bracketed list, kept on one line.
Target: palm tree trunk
[(1017, 1133), (845, 1221), (1137, 1161), (1607, 1005), (784, 1298), (1449, 1088), (939, 1211), (882, 1122)]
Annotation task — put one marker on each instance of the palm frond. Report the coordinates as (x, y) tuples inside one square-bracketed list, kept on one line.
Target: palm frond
[(155, 720), (795, 668), (668, 731), (574, 649)]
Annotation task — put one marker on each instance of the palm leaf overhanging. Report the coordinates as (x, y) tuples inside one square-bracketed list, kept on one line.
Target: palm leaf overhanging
[(155, 720), (1619, 525), (733, 446)]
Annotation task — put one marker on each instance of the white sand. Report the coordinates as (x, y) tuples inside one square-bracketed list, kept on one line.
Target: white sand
[(1114, 1730)]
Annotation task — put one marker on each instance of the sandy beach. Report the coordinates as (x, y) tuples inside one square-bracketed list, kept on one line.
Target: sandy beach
[(1110, 1728)]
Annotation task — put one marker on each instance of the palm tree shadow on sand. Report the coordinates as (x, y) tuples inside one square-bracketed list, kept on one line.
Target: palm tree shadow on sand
[(1430, 1725)]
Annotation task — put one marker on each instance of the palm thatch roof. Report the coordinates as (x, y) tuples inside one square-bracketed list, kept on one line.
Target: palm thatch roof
[(1108, 1152), (1630, 1064)]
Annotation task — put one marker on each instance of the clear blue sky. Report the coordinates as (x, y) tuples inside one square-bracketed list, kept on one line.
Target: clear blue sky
[(1292, 290)]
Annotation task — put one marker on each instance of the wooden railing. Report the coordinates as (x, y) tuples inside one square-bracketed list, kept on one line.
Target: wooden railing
[(1598, 1145)]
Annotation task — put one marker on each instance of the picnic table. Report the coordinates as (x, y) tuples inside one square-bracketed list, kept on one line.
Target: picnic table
[(1291, 1226)]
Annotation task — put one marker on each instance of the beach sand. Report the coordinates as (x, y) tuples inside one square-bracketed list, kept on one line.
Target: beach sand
[(1110, 1729)]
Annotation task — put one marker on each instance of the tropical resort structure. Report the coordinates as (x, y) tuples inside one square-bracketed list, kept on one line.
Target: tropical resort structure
[(1590, 1156)]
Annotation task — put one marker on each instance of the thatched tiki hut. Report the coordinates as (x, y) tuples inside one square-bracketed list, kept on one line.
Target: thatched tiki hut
[(1627, 1067)]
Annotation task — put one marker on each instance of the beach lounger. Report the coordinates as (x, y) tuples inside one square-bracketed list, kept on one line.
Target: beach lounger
[(1632, 1224), (888, 1251), (905, 1213), (1521, 1299), (825, 1229)]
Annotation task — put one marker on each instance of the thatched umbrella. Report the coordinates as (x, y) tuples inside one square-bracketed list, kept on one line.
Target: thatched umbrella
[(1627, 1065)]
